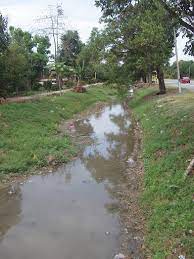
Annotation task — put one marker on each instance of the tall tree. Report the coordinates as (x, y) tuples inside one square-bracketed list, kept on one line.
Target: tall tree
[(71, 46), (91, 57), (4, 43), (183, 12), (36, 51), (40, 56), (16, 69), (4, 36), (144, 35)]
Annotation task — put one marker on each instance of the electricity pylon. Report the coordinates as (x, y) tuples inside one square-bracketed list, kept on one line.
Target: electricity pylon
[(53, 25)]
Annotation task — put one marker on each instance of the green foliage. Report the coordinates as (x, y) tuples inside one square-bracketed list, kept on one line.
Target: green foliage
[(4, 42), (36, 87), (70, 84), (23, 59), (63, 70), (49, 86), (29, 132), (168, 141), (90, 59), (4, 36), (16, 64), (183, 12), (186, 69), (140, 36), (71, 46)]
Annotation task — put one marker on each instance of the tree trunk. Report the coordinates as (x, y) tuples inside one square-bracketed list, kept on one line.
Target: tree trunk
[(144, 79), (78, 81), (17, 90), (149, 78), (160, 76), (29, 85)]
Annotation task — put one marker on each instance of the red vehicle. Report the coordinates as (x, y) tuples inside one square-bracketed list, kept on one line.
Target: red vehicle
[(185, 80)]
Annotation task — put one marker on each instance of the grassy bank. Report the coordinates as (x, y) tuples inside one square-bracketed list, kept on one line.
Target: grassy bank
[(28, 131), (168, 144)]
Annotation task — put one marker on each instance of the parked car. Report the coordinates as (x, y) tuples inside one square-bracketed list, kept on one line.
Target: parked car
[(185, 80)]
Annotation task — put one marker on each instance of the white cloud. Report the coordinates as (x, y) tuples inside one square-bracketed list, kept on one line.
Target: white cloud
[(181, 42), (80, 15)]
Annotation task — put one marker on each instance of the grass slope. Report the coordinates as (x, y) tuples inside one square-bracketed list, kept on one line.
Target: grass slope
[(168, 144), (28, 131)]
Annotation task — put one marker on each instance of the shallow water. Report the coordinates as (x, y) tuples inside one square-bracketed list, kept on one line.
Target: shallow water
[(72, 213)]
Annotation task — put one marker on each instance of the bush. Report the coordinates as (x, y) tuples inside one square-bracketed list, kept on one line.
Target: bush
[(36, 87), (48, 86), (70, 84)]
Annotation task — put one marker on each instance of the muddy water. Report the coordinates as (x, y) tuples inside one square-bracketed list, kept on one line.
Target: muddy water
[(72, 213)]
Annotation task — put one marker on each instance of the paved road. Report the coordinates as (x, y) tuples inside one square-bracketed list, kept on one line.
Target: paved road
[(173, 82)]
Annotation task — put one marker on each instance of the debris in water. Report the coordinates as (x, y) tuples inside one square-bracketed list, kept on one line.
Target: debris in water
[(51, 159), (131, 92), (126, 231), (71, 127), (12, 190), (130, 161), (85, 181), (107, 233), (119, 256)]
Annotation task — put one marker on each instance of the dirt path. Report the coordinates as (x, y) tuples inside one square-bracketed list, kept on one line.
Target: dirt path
[(22, 99)]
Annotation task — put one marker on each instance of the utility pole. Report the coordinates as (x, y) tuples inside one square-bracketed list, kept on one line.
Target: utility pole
[(52, 24), (177, 62)]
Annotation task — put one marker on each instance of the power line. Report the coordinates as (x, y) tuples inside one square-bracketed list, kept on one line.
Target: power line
[(53, 25), (177, 61)]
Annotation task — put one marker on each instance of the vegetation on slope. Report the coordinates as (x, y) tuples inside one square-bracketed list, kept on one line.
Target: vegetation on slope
[(28, 131), (168, 145)]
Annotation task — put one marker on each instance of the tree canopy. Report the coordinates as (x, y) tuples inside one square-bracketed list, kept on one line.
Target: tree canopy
[(71, 46), (23, 57), (181, 10), (4, 36), (142, 36)]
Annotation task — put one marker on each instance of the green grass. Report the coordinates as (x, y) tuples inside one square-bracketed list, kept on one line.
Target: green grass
[(28, 131), (168, 144)]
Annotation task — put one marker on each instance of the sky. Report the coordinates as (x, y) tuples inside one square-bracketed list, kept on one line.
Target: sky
[(80, 15)]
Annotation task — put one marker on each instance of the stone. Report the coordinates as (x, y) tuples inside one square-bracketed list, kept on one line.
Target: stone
[(190, 169)]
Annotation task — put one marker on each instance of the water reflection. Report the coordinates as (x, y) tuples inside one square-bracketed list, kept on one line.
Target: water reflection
[(10, 208), (66, 214)]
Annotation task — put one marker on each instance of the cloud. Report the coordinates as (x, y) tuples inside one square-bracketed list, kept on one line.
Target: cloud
[(181, 42), (80, 15)]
